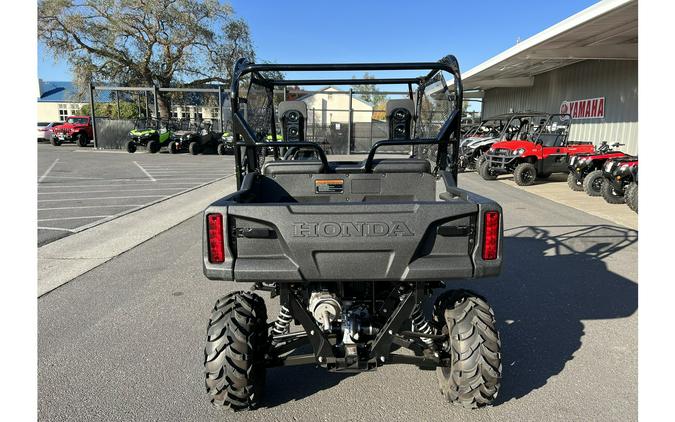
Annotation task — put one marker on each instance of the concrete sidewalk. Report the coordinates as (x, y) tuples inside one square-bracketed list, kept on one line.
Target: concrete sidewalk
[(67, 258), (556, 190)]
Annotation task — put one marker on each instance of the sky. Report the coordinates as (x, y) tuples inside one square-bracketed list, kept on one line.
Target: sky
[(382, 31)]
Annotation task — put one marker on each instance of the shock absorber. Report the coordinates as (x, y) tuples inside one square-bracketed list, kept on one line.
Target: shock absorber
[(283, 322), (420, 325)]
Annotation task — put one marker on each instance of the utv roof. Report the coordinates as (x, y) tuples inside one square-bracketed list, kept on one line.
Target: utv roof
[(517, 114)]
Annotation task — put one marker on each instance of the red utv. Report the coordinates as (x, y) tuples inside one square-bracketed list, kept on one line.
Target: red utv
[(75, 129), (540, 154), (586, 169), (618, 174)]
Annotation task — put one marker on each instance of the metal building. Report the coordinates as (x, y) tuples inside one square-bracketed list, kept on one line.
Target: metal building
[(585, 65)]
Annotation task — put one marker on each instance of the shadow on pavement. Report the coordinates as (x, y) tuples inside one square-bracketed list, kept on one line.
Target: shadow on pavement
[(285, 384), (553, 278)]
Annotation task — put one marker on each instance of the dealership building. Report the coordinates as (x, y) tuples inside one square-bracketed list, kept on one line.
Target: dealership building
[(586, 65)]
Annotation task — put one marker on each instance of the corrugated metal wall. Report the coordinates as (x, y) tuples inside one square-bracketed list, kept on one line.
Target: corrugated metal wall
[(616, 80)]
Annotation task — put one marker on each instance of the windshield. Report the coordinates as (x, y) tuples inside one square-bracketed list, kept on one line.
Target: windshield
[(77, 120), (523, 127), (487, 129), (554, 132)]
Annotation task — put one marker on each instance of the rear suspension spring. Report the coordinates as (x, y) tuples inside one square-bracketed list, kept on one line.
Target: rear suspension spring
[(283, 321), (420, 325)]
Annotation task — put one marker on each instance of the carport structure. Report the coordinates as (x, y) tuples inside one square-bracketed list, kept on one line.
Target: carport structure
[(591, 55), (143, 94)]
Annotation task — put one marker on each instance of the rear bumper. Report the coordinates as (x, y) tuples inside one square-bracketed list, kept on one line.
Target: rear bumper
[(353, 242)]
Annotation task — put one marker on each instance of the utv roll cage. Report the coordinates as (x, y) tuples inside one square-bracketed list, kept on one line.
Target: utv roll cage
[(245, 137)]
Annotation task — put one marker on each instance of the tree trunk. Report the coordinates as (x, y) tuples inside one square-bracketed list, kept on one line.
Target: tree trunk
[(164, 104)]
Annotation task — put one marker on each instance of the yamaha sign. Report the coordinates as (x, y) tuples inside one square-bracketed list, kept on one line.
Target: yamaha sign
[(592, 108)]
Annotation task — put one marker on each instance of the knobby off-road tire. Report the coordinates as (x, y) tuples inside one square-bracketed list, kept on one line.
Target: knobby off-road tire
[(525, 174), (131, 147), (56, 142), (480, 160), (173, 147), (153, 147), (473, 378), (574, 183), (82, 140), (221, 149), (194, 148), (236, 344), (610, 195), (484, 171), (593, 183), (631, 195)]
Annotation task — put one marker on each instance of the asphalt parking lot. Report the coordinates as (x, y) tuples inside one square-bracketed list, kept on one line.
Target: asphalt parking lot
[(125, 340), (80, 187)]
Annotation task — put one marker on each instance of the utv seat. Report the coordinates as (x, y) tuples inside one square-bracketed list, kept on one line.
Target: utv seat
[(384, 165), (401, 165), (293, 167)]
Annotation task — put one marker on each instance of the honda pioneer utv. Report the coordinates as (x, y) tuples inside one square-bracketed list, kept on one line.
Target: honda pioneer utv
[(538, 155), (586, 169), (351, 249)]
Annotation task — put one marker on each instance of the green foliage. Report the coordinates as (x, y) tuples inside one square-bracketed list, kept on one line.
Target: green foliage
[(145, 42), (369, 92), (127, 110)]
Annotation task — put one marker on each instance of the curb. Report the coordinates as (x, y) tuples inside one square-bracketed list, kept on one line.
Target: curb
[(65, 259)]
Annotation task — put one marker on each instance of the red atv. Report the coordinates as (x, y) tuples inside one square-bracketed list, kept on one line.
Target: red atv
[(542, 153), (586, 169), (618, 174), (75, 129)]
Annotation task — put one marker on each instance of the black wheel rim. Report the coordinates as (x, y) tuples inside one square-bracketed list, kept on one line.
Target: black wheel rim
[(527, 176), (597, 184)]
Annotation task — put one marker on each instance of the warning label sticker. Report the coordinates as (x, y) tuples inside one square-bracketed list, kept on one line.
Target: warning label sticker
[(329, 186)]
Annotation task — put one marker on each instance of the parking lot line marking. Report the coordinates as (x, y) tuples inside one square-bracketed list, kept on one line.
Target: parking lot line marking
[(56, 228), (107, 190), (107, 185), (152, 179), (89, 206), (79, 177), (48, 170), (103, 197), (73, 218)]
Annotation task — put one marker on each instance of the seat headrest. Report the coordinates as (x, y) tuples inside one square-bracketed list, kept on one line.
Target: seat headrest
[(299, 106), (405, 103)]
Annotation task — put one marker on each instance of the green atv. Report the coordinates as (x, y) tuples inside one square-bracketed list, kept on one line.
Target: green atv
[(152, 136)]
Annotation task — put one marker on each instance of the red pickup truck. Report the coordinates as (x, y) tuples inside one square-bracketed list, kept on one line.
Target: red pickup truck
[(545, 152), (75, 129)]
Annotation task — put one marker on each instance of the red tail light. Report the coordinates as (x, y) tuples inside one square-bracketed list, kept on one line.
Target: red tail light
[(490, 235), (215, 238)]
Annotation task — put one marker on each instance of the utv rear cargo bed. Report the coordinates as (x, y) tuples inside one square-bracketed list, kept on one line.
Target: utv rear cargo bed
[(284, 229)]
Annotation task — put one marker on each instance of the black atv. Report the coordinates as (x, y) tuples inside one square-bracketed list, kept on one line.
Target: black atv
[(351, 249)]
